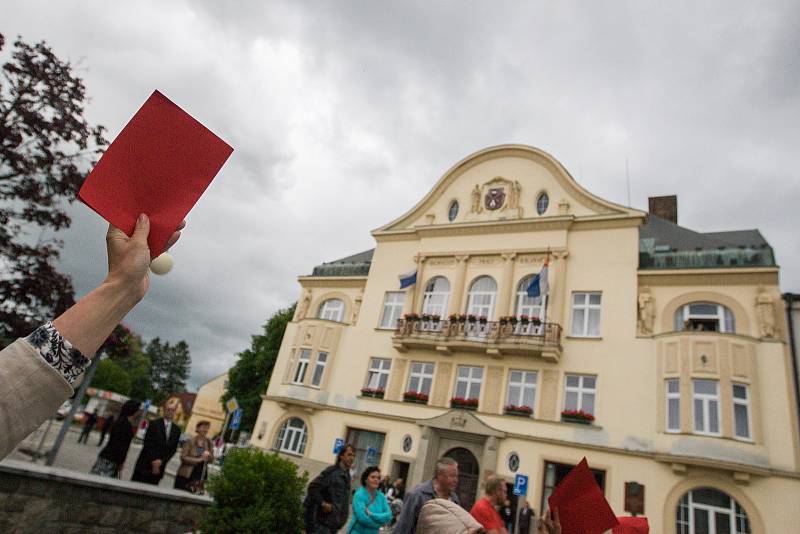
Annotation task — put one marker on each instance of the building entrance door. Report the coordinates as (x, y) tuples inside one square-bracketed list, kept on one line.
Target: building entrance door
[(468, 474)]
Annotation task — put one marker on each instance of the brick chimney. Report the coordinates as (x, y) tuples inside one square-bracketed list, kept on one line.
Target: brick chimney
[(665, 207)]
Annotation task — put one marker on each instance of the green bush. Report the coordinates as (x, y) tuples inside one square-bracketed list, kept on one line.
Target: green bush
[(256, 492)]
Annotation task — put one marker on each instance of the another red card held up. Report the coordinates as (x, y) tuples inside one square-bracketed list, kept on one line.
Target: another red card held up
[(582, 508), (159, 164), (631, 525)]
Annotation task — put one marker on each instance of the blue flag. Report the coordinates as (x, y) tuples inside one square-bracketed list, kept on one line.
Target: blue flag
[(408, 279), (539, 285)]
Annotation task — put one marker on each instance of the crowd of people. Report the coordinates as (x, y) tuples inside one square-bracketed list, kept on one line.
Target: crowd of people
[(432, 507)]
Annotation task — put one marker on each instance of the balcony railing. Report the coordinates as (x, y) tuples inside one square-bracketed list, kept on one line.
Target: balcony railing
[(491, 337)]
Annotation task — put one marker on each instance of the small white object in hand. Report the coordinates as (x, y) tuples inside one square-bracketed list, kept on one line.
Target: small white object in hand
[(162, 264)]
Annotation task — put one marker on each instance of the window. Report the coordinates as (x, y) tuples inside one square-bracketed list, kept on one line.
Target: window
[(482, 294), (332, 310), (420, 378), (368, 446), (292, 437), (741, 411), (452, 212), (580, 393), (302, 366), (554, 473), (542, 202), (709, 511), (521, 388), (530, 306), (706, 406), (586, 314), (392, 308), (673, 405), (704, 316), (319, 369), (378, 374), (468, 382), (437, 293)]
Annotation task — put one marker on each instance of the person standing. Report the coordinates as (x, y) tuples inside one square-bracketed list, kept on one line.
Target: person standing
[(89, 420), (524, 521), (370, 508), (507, 515), (386, 483), (160, 443), (109, 461), (195, 455), (485, 511), (442, 486), (108, 422), (327, 503)]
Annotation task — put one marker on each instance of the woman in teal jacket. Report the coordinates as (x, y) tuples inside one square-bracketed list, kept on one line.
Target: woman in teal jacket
[(370, 508)]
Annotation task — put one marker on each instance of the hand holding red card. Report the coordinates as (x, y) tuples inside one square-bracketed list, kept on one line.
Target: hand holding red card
[(160, 165), (580, 503)]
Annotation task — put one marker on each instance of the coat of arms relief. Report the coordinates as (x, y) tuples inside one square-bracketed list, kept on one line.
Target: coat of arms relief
[(498, 194)]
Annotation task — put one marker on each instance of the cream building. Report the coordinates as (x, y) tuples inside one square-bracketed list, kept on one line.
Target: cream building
[(207, 405), (668, 344)]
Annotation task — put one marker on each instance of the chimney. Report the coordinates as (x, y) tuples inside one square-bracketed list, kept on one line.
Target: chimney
[(665, 207)]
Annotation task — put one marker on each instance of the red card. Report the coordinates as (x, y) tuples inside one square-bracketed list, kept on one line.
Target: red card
[(631, 525), (159, 164), (582, 508)]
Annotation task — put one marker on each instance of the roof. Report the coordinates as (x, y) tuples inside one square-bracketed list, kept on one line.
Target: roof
[(355, 265), (665, 245)]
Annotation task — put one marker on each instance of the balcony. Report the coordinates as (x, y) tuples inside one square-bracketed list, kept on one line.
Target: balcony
[(492, 337)]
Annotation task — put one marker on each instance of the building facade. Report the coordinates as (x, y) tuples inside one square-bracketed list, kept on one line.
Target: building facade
[(207, 405), (658, 353)]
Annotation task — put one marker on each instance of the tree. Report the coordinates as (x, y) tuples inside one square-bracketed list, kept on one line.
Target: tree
[(137, 368), (256, 492), (46, 146), (169, 368), (111, 377), (249, 377)]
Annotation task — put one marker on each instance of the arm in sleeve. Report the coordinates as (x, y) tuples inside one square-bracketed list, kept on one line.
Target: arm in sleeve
[(31, 390), (407, 522), (186, 455), (360, 502), (382, 514)]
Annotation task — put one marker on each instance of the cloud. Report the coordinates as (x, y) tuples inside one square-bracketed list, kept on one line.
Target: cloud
[(343, 115)]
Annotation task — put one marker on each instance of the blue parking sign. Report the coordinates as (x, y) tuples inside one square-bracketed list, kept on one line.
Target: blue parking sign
[(338, 445), (372, 456), (236, 419), (521, 485)]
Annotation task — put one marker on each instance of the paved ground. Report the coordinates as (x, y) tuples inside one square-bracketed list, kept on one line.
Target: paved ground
[(81, 457)]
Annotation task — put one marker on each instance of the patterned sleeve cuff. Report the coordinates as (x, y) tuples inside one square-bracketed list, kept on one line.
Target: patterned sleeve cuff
[(58, 352)]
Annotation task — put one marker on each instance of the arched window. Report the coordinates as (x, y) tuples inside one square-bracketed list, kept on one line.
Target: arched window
[(705, 316), (530, 306), (482, 296), (292, 437), (707, 510), (332, 310), (437, 293)]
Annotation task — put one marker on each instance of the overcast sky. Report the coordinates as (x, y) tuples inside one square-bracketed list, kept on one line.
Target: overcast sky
[(344, 114)]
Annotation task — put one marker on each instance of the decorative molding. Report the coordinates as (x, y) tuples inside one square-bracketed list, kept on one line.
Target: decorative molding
[(442, 261), (735, 276), (332, 281)]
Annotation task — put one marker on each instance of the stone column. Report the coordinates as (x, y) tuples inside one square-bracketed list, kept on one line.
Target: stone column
[(558, 294), (506, 289), (416, 291), (457, 290), (488, 460), (419, 473)]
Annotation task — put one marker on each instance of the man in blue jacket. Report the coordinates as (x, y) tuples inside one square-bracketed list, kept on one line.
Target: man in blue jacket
[(442, 486)]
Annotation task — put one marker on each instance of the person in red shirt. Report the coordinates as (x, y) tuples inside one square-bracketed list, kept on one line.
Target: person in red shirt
[(485, 510)]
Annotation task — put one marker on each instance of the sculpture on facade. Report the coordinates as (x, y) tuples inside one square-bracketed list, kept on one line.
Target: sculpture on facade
[(302, 306), (476, 199), (765, 312), (647, 311), (357, 307)]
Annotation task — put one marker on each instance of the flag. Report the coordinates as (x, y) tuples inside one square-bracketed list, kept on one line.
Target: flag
[(539, 286), (408, 279)]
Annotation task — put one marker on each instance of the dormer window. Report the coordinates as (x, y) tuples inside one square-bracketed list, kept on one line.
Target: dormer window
[(452, 213), (704, 317), (542, 203)]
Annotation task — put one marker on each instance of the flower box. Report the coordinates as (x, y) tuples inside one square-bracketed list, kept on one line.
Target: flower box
[(483, 319), (372, 392), (577, 416), (520, 411), (472, 318), (415, 398), (464, 404), (411, 317)]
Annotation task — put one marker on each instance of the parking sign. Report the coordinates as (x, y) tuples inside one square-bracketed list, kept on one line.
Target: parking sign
[(521, 485), (372, 456), (338, 445), (236, 419)]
